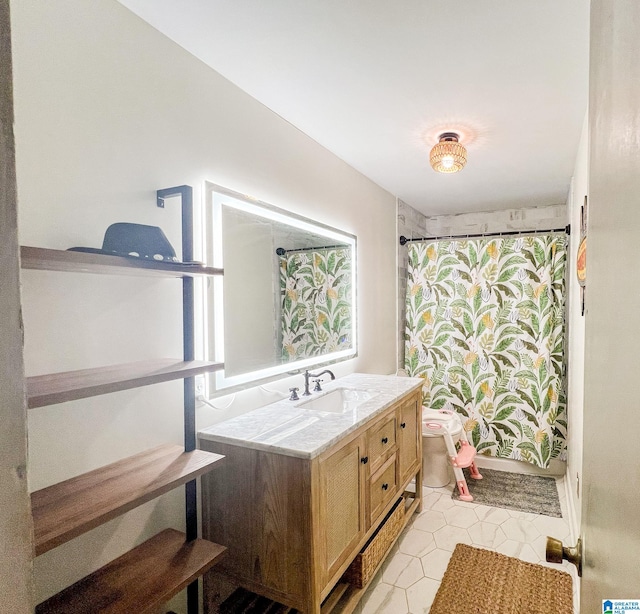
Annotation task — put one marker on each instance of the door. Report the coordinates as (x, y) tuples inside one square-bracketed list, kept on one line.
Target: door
[(409, 436), (342, 493), (16, 545), (611, 464)]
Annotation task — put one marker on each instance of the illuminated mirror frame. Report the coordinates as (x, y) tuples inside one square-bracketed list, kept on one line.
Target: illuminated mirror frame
[(215, 197)]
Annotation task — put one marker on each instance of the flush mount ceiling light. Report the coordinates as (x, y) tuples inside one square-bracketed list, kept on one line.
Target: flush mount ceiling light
[(448, 156)]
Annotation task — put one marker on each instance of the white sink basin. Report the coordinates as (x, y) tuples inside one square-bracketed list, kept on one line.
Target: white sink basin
[(339, 400)]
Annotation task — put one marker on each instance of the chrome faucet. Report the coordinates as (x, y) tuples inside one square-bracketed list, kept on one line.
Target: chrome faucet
[(307, 375)]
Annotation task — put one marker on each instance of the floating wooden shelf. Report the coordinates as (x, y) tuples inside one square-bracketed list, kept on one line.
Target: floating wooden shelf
[(139, 581), (85, 262), (68, 509), (71, 385)]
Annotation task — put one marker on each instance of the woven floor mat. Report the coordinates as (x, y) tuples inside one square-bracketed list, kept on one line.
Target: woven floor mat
[(480, 581), (514, 491)]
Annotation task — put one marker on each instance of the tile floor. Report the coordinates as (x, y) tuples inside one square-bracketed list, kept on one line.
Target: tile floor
[(408, 581)]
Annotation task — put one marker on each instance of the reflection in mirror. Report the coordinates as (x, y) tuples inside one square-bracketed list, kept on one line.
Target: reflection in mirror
[(287, 297), (315, 301)]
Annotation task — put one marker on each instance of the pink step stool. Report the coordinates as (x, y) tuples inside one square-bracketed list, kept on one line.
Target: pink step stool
[(460, 459)]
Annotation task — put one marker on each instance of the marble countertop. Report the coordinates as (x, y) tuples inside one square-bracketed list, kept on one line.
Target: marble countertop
[(286, 428)]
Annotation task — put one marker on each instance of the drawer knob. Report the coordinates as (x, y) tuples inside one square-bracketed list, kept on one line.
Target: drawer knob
[(385, 440), (403, 425), (385, 486), (364, 460)]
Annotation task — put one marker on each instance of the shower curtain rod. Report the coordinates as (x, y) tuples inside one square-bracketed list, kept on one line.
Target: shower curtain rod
[(281, 251), (566, 229)]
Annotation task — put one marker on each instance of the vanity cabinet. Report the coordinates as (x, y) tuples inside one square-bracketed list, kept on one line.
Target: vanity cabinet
[(293, 525)]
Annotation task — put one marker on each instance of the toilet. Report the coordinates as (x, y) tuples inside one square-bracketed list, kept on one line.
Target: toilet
[(436, 466), (445, 445)]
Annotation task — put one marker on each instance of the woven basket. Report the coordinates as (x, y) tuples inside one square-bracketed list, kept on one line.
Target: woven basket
[(366, 561)]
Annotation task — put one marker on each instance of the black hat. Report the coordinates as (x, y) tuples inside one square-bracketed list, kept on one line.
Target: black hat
[(136, 240)]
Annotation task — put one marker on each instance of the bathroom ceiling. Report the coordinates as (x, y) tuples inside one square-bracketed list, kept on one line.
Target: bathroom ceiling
[(376, 81)]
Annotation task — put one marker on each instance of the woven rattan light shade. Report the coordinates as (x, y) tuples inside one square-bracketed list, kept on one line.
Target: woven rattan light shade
[(448, 156)]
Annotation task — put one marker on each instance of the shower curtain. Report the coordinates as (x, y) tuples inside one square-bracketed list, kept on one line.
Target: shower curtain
[(485, 330), (315, 290)]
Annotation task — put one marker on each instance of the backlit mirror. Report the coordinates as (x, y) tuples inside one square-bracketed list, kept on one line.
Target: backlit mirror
[(287, 297)]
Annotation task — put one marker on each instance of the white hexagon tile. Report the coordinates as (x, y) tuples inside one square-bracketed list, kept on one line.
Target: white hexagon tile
[(409, 579)]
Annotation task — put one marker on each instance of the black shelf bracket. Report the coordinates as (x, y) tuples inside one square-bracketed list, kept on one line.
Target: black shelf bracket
[(191, 503), (186, 196)]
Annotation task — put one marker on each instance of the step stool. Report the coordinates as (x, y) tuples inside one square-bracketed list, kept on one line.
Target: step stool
[(460, 459)]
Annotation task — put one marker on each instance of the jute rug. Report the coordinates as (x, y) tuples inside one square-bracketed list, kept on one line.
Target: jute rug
[(514, 491), (480, 581)]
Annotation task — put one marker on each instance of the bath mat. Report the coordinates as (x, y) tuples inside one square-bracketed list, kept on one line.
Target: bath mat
[(242, 601), (514, 491), (480, 581)]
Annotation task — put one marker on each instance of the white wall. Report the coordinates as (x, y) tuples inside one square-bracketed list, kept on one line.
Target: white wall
[(507, 220), (107, 111), (575, 331)]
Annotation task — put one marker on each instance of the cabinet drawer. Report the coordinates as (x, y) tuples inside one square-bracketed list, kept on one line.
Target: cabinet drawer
[(381, 442), (383, 488)]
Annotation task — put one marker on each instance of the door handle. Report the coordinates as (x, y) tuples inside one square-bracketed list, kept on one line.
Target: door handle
[(556, 552), (364, 460), (385, 486), (385, 440), (403, 424)]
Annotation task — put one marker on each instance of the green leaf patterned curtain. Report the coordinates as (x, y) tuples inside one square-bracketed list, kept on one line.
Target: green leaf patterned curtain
[(315, 288), (485, 329)]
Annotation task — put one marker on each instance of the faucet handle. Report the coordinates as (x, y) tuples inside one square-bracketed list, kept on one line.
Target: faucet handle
[(317, 387), (294, 394)]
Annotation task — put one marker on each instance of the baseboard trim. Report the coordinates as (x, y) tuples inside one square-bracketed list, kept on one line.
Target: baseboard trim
[(557, 468)]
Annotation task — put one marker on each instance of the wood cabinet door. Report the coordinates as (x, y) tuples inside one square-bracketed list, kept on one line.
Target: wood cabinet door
[(342, 509), (409, 434)]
